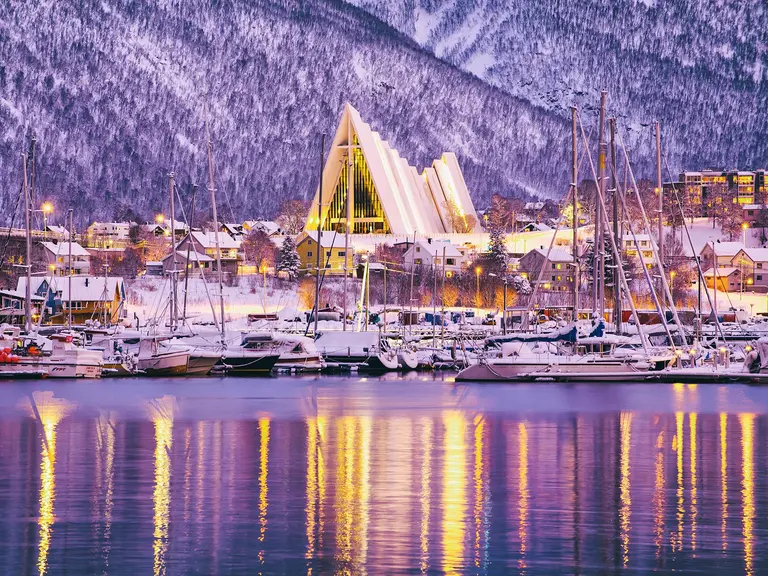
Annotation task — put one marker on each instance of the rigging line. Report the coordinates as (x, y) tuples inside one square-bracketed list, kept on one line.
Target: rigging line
[(654, 248), (551, 244), (10, 227), (643, 336), (693, 250)]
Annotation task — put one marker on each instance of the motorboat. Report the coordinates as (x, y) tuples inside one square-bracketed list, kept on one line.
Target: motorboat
[(54, 357), (254, 355), (202, 360), (159, 359), (365, 351)]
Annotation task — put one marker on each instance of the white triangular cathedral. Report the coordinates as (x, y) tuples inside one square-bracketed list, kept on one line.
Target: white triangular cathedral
[(389, 196)]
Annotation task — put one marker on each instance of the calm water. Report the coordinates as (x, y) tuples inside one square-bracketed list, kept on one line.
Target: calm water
[(368, 476)]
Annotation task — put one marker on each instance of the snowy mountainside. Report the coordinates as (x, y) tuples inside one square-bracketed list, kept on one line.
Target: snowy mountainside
[(701, 68), (114, 91)]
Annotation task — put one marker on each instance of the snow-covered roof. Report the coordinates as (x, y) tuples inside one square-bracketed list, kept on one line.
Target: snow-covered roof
[(555, 255), (327, 239), (721, 272), (193, 256), (755, 254), (20, 295), (59, 231), (208, 240), (62, 249), (84, 288), (753, 206), (436, 249), (725, 248), (266, 226)]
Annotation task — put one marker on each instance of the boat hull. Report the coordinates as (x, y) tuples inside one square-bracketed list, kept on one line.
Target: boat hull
[(201, 364), (244, 363), (171, 364)]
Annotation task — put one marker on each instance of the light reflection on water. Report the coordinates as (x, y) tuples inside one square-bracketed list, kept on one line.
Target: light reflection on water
[(341, 476)]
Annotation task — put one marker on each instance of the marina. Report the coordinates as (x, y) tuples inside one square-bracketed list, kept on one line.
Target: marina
[(391, 474)]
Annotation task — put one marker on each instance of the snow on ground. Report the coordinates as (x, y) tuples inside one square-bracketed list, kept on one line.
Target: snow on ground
[(148, 299)]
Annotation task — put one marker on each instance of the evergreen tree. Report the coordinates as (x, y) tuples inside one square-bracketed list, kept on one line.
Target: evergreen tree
[(497, 250), (288, 259)]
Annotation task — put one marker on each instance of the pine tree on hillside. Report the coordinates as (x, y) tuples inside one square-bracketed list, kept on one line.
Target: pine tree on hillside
[(497, 250), (288, 259)]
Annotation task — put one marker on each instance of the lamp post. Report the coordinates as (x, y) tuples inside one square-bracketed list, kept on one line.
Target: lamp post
[(264, 271), (672, 275), (46, 208), (478, 271), (744, 228)]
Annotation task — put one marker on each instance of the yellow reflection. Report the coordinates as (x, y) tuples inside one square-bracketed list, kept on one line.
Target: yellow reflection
[(311, 488), (345, 488), (523, 494), (679, 446), (625, 511), (321, 436), (479, 487), (426, 493), (454, 492), (263, 471), (106, 442), (723, 478), (162, 417), (692, 420), (364, 486), (658, 495), (748, 488), (48, 411)]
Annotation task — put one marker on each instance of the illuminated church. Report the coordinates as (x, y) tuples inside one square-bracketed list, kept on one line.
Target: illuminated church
[(389, 196)]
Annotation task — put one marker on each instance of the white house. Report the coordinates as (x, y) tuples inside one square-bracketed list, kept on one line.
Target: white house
[(430, 253), (104, 231), (57, 258)]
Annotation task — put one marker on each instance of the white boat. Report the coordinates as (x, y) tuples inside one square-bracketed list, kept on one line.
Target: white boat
[(360, 350), (62, 360), (158, 359), (201, 360), (518, 361)]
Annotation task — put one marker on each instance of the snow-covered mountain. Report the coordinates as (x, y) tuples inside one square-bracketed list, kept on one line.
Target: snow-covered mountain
[(114, 91), (701, 68)]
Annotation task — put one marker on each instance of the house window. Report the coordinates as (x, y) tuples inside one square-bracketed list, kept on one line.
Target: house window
[(418, 249), (327, 253), (760, 265), (418, 261), (450, 261), (759, 276), (559, 278), (341, 254), (559, 266), (553, 267), (553, 278), (309, 253)]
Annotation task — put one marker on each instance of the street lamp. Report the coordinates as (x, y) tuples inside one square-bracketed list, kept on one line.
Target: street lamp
[(672, 275), (46, 208), (744, 228), (264, 271), (478, 271)]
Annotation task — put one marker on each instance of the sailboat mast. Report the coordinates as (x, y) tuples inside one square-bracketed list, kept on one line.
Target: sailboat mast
[(173, 305), (320, 232), (215, 223), (599, 222), (28, 256), (189, 247), (616, 229), (69, 274), (350, 203), (659, 187), (575, 190)]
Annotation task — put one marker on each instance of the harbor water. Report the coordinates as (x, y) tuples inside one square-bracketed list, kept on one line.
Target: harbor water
[(391, 475)]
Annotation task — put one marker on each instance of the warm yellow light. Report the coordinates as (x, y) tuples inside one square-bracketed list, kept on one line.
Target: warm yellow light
[(749, 281), (478, 270), (745, 225), (159, 218), (51, 267), (47, 207)]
